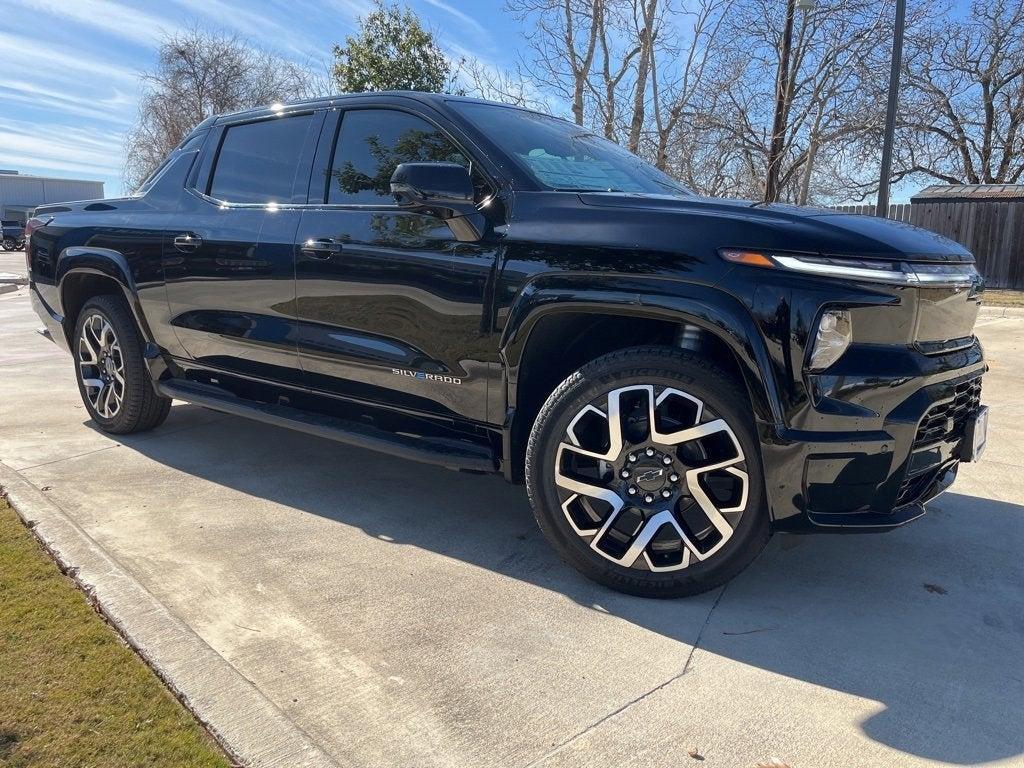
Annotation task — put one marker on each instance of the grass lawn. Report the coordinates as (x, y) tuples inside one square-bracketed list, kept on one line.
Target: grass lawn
[(71, 692)]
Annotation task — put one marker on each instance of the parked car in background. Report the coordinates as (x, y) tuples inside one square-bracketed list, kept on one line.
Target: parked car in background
[(13, 235), (492, 289)]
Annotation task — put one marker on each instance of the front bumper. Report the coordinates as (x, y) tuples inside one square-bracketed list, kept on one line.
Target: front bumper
[(880, 478)]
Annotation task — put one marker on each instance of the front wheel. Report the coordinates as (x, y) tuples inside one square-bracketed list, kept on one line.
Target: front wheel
[(9, 244), (644, 473), (112, 377)]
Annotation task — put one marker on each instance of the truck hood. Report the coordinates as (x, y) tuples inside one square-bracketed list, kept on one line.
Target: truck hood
[(801, 229)]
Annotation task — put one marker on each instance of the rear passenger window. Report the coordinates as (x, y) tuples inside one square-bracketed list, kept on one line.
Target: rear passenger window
[(372, 143), (259, 162)]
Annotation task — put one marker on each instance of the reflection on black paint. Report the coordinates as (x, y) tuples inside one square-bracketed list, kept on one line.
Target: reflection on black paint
[(372, 143)]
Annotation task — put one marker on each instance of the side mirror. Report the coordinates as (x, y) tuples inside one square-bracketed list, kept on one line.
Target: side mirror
[(444, 190)]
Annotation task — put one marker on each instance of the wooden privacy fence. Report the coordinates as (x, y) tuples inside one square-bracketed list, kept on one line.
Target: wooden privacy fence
[(987, 219), (897, 211)]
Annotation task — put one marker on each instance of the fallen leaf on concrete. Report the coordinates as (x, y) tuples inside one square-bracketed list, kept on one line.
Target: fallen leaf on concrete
[(46, 488), (935, 589)]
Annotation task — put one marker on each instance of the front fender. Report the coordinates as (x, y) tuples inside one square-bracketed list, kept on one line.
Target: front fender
[(704, 306)]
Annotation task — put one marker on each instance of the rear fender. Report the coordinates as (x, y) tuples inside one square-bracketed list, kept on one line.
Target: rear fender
[(83, 260)]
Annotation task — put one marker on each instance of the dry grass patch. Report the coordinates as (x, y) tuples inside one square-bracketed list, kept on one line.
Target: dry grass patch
[(998, 297), (71, 692)]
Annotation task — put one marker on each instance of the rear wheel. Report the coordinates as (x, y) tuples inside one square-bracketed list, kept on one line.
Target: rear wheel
[(644, 473), (9, 244), (112, 378)]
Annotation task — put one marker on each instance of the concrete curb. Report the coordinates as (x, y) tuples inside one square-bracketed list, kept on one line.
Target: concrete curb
[(987, 313), (246, 723)]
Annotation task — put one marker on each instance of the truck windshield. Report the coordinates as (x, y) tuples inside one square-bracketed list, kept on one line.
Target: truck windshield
[(561, 155)]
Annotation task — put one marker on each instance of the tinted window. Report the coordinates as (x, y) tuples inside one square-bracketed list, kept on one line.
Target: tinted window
[(259, 162), (191, 144), (561, 155), (371, 144)]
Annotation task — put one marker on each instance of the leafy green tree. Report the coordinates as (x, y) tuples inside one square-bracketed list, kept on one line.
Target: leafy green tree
[(392, 51)]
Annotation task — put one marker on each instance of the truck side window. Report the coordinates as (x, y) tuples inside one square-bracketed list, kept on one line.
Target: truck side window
[(259, 162), (372, 143)]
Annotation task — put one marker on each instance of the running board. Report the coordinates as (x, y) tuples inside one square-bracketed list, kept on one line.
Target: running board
[(450, 453)]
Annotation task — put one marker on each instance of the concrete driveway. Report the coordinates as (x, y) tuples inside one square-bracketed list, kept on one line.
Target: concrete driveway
[(402, 615)]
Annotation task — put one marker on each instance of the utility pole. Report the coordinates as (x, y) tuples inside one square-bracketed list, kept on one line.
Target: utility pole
[(771, 184), (882, 209)]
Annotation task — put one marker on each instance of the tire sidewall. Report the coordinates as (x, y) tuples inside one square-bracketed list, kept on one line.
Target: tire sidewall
[(692, 375), (127, 337)]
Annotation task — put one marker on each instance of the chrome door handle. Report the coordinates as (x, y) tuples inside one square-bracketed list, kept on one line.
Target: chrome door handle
[(321, 247), (187, 242)]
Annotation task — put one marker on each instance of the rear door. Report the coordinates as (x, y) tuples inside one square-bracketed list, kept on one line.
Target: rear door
[(229, 259), (391, 307)]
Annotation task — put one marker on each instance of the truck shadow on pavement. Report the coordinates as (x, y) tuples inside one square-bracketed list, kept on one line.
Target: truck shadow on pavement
[(926, 621)]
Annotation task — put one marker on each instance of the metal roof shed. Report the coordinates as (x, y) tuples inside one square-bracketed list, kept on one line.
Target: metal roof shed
[(20, 193), (988, 219)]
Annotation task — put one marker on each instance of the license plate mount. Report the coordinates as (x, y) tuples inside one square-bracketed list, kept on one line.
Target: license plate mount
[(975, 435)]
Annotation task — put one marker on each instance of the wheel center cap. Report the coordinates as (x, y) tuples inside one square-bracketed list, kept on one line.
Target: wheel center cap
[(109, 365), (650, 477)]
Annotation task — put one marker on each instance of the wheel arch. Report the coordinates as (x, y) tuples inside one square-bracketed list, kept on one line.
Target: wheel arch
[(544, 341), (83, 272)]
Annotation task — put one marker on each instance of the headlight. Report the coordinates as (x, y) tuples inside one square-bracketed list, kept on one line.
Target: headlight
[(871, 270), (835, 332)]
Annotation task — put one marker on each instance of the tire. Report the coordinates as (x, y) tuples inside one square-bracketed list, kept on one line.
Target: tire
[(118, 394), (9, 244), (685, 519)]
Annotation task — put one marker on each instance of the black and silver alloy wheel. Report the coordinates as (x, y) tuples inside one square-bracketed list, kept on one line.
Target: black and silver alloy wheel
[(101, 365), (644, 473), (112, 377), (650, 478)]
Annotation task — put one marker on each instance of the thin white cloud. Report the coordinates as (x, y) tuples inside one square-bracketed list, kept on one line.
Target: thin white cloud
[(116, 110), (353, 9), (465, 19), (261, 28), (111, 18), (28, 146), (26, 59)]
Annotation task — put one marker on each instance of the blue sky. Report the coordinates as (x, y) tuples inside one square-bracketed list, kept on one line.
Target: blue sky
[(69, 81)]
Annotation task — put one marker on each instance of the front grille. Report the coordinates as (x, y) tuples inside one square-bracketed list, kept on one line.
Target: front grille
[(914, 487), (945, 421)]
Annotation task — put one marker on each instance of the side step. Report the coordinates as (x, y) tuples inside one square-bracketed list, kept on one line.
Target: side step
[(450, 453)]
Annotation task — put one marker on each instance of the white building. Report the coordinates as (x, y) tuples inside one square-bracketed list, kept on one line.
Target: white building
[(20, 193)]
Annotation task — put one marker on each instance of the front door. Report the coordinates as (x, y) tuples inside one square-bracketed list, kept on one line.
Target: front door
[(390, 305), (229, 259)]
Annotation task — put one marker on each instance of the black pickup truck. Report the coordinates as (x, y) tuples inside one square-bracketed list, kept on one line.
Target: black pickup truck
[(491, 289)]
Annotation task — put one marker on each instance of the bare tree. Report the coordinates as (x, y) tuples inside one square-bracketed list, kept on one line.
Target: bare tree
[(507, 87), (963, 111), (563, 45), (199, 74), (646, 24), (691, 86), (681, 97), (830, 97), (615, 65)]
